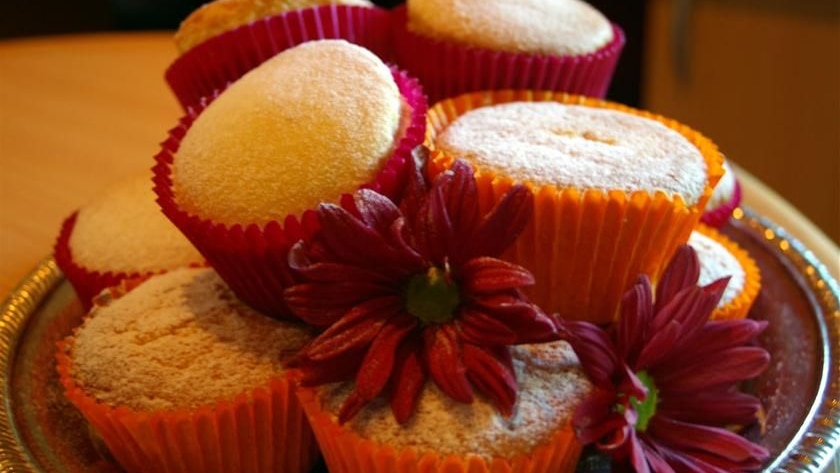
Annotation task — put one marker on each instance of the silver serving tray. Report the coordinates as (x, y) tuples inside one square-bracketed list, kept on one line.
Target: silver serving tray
[(41, 432)]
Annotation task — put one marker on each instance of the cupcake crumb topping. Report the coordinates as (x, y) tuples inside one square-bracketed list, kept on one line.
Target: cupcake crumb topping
[(178, 340), (717, 262), (550, 143), (551, 384)]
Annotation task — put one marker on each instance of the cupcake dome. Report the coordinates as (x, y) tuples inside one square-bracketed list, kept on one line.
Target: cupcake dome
[(289, 135), (616, 190), (524, 26), (120, 234), (216, 17), (445, 435), (721, 257), (315, 122), (223, 40), (471, 45), (176, 355)]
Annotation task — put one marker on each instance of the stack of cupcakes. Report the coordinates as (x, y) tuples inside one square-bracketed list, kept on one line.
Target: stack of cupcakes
[(291, 133)]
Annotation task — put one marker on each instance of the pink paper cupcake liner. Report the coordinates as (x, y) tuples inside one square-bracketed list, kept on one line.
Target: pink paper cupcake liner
[(251, 259), (447, 69), (222, 59), (718, 216), (87, 283)]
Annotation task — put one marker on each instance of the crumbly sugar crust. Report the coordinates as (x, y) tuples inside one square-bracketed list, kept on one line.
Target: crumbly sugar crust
[(551, 384), (558, 27), (306, 126), (717, 262), (123, 230), (178, 340), (554, 144)]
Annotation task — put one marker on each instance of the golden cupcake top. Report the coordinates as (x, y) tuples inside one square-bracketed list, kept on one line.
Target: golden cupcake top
[(716, 261), (551, 384), (557, 27), (554, 144), (178, 340), (214, 18), (313, 122), (123, 230)]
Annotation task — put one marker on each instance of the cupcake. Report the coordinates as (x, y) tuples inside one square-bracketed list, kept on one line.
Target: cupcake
[(721, 257), (315, 122), (175, 374), (616, 190), (224, 39), (120, 234), (725, 198), (448, 436), (464, 46)]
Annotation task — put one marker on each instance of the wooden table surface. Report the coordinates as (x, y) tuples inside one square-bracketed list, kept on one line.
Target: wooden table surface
[(80, 112)]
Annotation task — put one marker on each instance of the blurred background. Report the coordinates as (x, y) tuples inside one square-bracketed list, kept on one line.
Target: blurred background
[(760, 77)]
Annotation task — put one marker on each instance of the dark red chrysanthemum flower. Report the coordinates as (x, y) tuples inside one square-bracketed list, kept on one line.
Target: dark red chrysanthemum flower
[(416, 291), (666, 378)]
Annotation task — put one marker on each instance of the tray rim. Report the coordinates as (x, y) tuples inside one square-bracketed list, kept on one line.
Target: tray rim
[(810, 450)]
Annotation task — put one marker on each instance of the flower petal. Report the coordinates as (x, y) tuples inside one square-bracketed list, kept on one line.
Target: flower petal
[(491, 371), (719, 446), (351, 241), (461, 197), (445, 362), (502, 225), (719, 370), (343, 368), (375, 210), (525, 319), (377, 366), (594, 417), (484, 275), (331, 271), (323, 304), (432, 227), (355, 330), (710, 408), (682, 271), (636, 316), (479, 328), (719, 335), (408, 379), (594, 349), (416, 186)]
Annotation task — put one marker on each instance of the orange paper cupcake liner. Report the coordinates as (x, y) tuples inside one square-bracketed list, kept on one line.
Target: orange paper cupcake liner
[(260, 430), (740, 305), (345, 451), (584, 246)]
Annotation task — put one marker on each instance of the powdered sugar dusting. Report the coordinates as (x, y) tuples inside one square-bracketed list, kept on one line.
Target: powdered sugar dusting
[(551, 384), (529, 26), (549, 143), (717, 262), (179, 340)]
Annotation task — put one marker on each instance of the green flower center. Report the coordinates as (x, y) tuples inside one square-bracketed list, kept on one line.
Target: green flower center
[(645, 408), (432, 297)]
